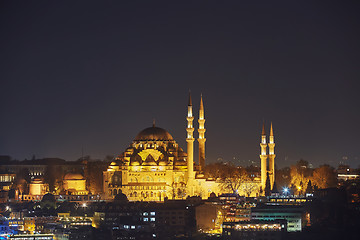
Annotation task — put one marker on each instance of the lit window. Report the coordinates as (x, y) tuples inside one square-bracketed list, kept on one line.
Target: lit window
[(152, 213), (152, 219), (146, 219)]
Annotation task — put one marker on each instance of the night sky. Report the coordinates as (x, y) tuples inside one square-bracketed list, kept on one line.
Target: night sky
[(91, 75)]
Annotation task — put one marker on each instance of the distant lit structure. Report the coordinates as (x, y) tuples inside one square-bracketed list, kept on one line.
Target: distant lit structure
[(291, 200), (255, 229), (38, 187), (6, 180), (345, 173), (32, 236), (155, 167), (75, 184), (68, 221)]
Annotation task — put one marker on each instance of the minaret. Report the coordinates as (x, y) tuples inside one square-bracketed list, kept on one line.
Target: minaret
[(201, 138), (271, 156), (190, 145), (263, 157)]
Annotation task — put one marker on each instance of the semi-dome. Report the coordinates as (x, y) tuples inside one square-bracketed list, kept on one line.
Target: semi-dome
[(153, 134)]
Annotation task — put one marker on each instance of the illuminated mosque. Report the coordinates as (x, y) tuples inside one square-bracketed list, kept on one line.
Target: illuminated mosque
[(154, 167)]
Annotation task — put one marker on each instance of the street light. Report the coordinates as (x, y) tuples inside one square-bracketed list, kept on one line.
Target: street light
[(285, 191)]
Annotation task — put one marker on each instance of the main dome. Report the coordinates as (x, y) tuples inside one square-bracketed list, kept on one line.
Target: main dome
[(153, 134)]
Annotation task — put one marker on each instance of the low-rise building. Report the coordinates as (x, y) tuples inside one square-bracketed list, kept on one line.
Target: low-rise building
[(255, 230), (293, 215)]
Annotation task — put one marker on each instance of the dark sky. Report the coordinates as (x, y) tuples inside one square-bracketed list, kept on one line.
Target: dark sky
[(91, 75)]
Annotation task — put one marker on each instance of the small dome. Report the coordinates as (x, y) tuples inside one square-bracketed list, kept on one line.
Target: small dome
[(153, 133), (48, 197), (73, 176), (136, 161), (121, 198)]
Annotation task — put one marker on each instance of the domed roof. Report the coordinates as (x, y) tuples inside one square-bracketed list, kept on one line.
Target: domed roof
[(135, 160), (73, 176), (36, 180), (48, 197), (153, 133)]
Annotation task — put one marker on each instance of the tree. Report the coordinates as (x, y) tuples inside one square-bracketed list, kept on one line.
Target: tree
[(22, 180), (24, 174), (94, 175), (309, 188), (218, 170), (249, 187), (234, 179), (302, 163), (300, 175), (324, 176), (283, 178), (53, 174)]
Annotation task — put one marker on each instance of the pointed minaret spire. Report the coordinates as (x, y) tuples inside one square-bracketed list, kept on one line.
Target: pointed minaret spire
[(190, 102), (271, 130), (201, 139), (263, 129)]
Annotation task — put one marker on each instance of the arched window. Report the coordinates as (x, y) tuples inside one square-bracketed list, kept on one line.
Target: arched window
[(115, 192)]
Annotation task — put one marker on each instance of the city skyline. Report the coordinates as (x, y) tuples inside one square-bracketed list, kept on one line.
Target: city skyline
[(90, 77)]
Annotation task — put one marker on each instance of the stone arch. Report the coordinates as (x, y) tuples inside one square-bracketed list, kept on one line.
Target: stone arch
[(134, 179), (147, 178), (116, 178)]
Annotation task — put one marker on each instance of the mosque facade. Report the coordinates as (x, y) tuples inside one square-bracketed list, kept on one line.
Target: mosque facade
[(154, 167)]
